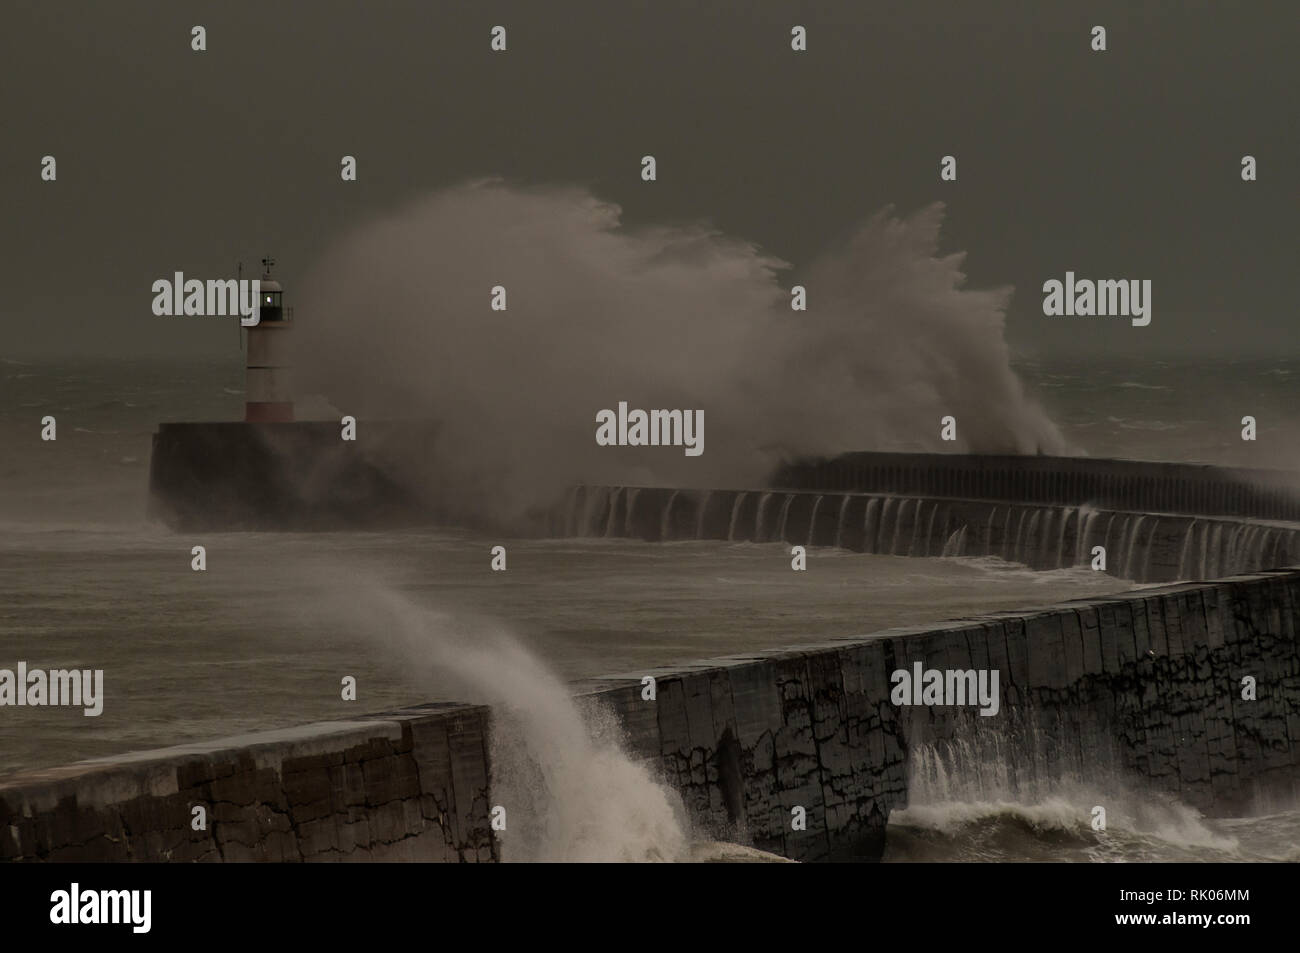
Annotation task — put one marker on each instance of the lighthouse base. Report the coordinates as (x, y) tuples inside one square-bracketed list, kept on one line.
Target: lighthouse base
[(268, 412), (291, 476)]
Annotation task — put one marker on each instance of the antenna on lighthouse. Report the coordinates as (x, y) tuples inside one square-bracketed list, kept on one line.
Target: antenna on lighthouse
[(267, 263)]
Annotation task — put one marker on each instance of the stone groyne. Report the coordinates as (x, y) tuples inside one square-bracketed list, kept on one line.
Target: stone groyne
[(1147, 688)]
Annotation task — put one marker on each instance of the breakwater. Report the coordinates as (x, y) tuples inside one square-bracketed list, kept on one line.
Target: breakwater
[(291, 476), (1144, 547), (1145, 687), (1121, 485), (404, 785)]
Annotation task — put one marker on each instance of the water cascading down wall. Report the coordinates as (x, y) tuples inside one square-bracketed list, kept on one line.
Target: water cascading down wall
[(1156, 522)]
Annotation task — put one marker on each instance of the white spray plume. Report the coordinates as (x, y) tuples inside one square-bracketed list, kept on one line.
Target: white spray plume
[(570, 791), (395, 321)]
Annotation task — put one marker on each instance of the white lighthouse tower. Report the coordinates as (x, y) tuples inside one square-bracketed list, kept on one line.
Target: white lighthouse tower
[(267, 382)]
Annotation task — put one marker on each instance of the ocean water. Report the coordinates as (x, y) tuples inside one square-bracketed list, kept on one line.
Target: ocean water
[(1187, 412), (263, 638)]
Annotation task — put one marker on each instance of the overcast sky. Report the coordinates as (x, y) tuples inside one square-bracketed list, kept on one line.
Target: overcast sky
[(1122, 164)]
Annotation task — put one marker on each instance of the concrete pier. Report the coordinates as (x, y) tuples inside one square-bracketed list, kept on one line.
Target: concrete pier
[(1124, 485), (291, 476), (1144, 686), (1144, 547), (404, 785)]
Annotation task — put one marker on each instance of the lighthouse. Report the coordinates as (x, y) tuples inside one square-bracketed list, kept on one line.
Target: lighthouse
[(267, 381), (272, 472)]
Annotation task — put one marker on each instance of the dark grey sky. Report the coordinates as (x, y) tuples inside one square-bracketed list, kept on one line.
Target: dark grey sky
[(1117, 164)]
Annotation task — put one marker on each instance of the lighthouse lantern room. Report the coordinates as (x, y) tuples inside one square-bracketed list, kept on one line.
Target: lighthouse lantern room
[(267, 382)]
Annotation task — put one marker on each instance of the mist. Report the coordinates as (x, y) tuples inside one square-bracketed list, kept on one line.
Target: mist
[(569, 789), (395, 322)]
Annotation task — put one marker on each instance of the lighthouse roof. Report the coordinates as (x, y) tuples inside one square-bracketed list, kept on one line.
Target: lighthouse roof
[(270, 284)]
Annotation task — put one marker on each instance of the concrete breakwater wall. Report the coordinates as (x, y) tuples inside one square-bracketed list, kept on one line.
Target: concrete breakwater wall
[(1144, 547), (291, 476), (1139, 691), (1125, 485), (1144, 686), (406, 785)]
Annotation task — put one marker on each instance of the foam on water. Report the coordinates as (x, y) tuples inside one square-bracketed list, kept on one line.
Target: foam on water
[(1017, 792), (1058, 827)]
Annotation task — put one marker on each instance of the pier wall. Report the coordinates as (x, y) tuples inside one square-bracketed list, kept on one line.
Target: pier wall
[(302, 475), (1144, 547), (1146, 686), (1125, 485), (406, 785), (291, 476), (1139, 690)]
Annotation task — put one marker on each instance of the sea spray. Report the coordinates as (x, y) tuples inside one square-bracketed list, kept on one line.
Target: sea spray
[(396, 322), (1026, 790), (570, 791)]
